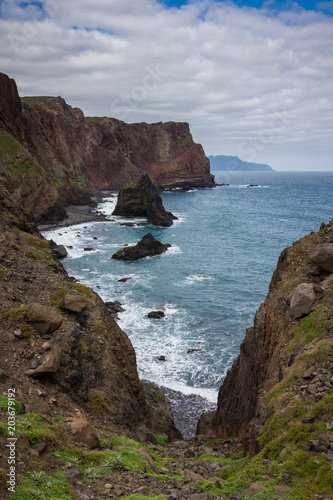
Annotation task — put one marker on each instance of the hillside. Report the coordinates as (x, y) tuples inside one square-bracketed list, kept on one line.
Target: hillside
[(235, 164)]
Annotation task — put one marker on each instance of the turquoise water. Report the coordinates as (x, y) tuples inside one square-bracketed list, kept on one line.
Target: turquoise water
[(224, 250)]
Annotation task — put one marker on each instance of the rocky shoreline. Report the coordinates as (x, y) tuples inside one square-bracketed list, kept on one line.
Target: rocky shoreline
[(76, 215)]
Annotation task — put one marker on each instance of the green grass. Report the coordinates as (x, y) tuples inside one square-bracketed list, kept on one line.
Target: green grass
[(99, 327), (96, 464), (41, 486), (97, 402), (35, 242), (84, 290), (115, 440), (160, 439), (17, 406), (58, 297), (15, 315), (314, 325), (36, 428)]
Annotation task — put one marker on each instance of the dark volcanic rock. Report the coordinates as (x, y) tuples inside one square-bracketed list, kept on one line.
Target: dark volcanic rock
[(147, 247), (156, 314), (142, 198)]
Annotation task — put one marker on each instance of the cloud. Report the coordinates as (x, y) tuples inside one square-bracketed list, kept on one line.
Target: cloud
[(245, 79)]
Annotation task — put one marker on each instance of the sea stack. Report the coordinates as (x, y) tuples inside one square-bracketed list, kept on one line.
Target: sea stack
[(142, 198)]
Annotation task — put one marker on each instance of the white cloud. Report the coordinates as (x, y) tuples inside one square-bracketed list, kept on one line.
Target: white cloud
[(245, 79)]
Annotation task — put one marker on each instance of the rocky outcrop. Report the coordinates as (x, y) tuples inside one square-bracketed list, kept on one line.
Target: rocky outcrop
[(142, 199), (62, 156), (298, 289), (147, 247)]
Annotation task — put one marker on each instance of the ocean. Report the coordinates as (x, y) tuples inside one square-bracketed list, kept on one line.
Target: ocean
[(225, 246)]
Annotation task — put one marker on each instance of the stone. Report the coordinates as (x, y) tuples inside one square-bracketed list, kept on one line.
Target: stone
[(156, 314), (123, 280), (58, 250), (147, 247), (84, 433), (18, 334), (309, 372), (161, 358), (312, 389), (89, 249), (46, 346), (22, 445), (50, 363), (322, 255), (72, 473), (254, 489), (303, 299), (118, 490), (142, 198), (40, 447), (75, 303), (45, 320)]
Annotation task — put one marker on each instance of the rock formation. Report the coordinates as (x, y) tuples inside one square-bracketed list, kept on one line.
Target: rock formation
[(59, 334), (147, 247), (59, 157), (142, 199), (295, 319)]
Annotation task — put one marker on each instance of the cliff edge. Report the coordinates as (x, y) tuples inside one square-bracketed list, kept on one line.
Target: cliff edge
[(47, 143)]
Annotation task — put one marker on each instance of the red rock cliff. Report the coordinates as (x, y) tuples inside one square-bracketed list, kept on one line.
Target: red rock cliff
[(78, 154)]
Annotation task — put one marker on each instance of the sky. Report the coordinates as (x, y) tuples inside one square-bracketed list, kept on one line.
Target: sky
[(253, 78)]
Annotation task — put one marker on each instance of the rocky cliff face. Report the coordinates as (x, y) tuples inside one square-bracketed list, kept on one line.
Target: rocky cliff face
[(73, 155), (59, 340), (292, 331)]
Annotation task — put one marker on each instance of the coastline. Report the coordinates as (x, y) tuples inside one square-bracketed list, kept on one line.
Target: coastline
[(76, 215)]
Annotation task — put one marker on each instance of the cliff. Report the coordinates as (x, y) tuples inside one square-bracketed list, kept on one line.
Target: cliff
[(269, 392), (67, 156)]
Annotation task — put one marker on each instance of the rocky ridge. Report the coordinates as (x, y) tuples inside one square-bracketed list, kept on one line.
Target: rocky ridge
[(52, 156)]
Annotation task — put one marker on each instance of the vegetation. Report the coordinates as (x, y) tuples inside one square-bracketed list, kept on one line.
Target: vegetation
[(314, 325), (84, 290), (41, 486), (99, 327), (58, 297), (16, 315)]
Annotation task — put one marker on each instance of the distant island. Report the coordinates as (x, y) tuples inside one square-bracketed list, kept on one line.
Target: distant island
[(233, 163)]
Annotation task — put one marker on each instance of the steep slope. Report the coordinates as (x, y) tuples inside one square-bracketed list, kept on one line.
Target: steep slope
[(293, 330), (74, 155)]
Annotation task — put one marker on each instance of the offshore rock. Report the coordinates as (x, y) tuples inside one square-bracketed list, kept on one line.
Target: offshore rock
[(142, 199), (147, 247)]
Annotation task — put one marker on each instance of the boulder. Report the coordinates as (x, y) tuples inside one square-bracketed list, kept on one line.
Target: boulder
[(45, 320), (302, 300), (75, 303), (84, 433), (322, 255), (147, 247), (59, 250), (156, 314), (142, 198), (50, 363)]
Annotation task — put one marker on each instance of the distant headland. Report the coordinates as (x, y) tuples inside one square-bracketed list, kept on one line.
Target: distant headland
[(235, 164)]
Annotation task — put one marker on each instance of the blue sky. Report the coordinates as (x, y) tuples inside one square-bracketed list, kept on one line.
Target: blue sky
[(252, 82), (305, 4)]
